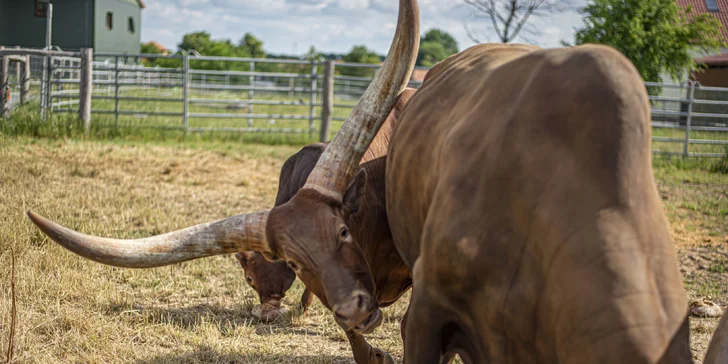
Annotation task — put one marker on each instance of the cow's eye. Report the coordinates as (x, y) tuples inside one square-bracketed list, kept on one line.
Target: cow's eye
[(292, 265), (249, 279), (344, 232)]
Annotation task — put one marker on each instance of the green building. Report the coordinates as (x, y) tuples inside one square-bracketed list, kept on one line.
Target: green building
[(105, 25)]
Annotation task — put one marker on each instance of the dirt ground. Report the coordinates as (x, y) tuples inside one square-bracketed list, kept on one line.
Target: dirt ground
[(70, 309)]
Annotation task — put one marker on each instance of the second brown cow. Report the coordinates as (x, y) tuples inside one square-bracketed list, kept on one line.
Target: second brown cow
[(369, 227)]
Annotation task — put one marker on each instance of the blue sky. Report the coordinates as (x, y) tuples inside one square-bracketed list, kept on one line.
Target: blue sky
[(329, 25)]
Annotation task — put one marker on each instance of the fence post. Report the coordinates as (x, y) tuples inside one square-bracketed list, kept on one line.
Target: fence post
[(49, 88), (314, 82), (116, 91), (327, 110), (185, 89), (251, 92), (25, 84), (85, 89), (43, 84), (18, 71), (690, 115), (4, 86)]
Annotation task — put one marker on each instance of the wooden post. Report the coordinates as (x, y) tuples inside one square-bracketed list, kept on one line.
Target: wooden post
[(327, 108), (18, 71), (116, 91), (86, 88), (4, 86), (25, 84)]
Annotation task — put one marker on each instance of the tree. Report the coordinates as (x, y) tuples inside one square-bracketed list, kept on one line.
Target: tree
[(198, 41), (149, 48), (251, 46), (360, 54), (435, 46), (314, 55), (509, 18), (202, 43), (656, 35)]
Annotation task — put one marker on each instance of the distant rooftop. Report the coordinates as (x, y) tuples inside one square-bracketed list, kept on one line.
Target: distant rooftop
[(701, 7), (716, 60)]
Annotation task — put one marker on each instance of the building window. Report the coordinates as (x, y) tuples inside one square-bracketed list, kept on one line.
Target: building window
[(131, 25), (109, 21), (712, 5)]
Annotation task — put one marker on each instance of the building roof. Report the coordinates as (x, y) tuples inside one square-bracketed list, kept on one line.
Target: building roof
[(141, 4), (700, 7), (158, 46), (715, 60)]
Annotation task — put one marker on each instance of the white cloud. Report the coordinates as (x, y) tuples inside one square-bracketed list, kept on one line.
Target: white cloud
[(329, 25)]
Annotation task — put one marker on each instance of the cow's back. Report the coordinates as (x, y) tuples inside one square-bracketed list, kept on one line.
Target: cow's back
[(430, 115), (524, 192)]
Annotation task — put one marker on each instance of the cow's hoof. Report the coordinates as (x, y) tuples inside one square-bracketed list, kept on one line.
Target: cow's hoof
[(381, 357)]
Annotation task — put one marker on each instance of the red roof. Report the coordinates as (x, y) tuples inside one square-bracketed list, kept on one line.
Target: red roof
[(158, 46), (700, 7), (715, 60)]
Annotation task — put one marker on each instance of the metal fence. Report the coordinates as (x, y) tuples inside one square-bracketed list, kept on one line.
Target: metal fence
[(244, 95), (690, 120), (197, 93)]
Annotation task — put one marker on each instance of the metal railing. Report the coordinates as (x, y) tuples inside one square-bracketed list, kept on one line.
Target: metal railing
[(205, 93), (690, 120)]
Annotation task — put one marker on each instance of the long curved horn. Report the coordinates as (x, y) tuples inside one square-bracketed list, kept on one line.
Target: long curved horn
[(339, 161), (233, 234), (718, 348)]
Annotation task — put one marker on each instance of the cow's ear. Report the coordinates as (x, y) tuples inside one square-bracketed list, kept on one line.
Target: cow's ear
[(270, 256), (244, 258), (355, 191)]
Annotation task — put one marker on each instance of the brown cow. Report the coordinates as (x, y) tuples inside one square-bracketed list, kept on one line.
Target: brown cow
[(270, 280), (520, 192), (369, 228), (309, 232)]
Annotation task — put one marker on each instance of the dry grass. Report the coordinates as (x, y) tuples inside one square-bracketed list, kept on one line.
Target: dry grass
[(70, 309)]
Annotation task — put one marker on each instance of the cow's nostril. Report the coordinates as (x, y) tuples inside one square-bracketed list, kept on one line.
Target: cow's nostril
[(360, 301)]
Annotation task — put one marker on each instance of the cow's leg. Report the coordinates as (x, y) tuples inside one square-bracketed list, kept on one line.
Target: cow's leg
[(422, 339), (306, 300), (365, 353), (446, 359)]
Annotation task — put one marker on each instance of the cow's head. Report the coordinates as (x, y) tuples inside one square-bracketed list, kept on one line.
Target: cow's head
[(270, 279), (309, 231)]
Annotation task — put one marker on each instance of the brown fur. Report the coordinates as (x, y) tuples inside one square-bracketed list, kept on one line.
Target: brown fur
[(520, 191)]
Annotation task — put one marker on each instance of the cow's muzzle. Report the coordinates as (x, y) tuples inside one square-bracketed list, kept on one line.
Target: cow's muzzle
[(359, 313)]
